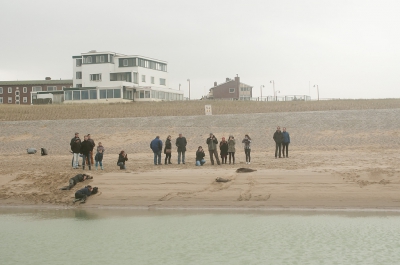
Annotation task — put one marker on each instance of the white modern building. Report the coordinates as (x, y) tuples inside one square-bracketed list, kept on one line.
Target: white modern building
[(114, 77)]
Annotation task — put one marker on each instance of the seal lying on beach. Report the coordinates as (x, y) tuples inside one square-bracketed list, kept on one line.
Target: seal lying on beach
[(222, 180), (245, 170)]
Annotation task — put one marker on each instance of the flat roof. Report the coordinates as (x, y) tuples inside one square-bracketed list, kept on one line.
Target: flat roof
[(36, 82), (120, 55)]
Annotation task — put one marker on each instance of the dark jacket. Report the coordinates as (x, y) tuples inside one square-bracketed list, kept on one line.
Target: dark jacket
[(212, 144), (156, 145), (98, 157), (223, 147), (77, 178), (181, 144), (278, 137), (286, 137), (86, 147), (122, 159), (84, 191), (168, 145), (76, 145), (91, 141), (200, 155), (247, 143)]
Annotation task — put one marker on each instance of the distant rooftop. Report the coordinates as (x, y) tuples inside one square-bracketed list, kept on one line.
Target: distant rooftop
[(36, 82), (117, 55)]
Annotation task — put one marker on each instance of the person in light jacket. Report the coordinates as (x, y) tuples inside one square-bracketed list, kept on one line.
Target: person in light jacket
[(231, 148)]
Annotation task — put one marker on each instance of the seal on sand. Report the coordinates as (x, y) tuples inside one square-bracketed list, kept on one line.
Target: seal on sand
[(244, 170), (222, 180)]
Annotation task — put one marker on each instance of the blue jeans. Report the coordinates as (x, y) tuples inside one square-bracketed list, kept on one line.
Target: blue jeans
[(200, 163), (99, 162), (181, 153), (157, 157), (75, 160), (84, 156)]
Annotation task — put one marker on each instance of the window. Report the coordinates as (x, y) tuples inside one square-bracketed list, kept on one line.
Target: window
[(10, 90), (25, 89), (88, 59), (231, 90), (143, 78), (25, 100), (17, 93), (78, 85), (84, 94), (143, 63), (78, 62), (95, 77), (125, 62), (78, 75), (152, 65), (51, 88), (163, 67), (76, 95), (93, 94), (9, 99), (1, 90), (68, 95), (152, 79), (1, 100), (135, 78), (121, 77), (36, 88), (100, 59), (17, 98), (162, 81)]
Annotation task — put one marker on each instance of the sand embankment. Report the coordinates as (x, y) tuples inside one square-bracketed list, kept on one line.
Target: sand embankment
[(338, 159)]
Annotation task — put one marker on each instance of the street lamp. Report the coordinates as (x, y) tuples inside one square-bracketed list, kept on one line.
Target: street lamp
[(261, 91), (189, 88), (179, 86), (317, 91), (273, 87)]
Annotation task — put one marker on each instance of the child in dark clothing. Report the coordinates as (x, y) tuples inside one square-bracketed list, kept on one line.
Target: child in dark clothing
[(99, 155)]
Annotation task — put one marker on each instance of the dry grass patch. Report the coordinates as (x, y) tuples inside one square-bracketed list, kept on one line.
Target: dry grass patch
[(180, 108)]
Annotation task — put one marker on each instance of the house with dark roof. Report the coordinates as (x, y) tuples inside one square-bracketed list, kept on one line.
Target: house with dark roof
[(231, 89), (19, 92)]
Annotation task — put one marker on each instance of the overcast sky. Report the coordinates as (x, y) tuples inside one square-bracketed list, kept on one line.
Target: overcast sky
[(349, 48)]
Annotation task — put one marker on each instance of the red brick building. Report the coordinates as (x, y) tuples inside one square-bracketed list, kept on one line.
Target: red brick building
[(19, 92), (232, 89)]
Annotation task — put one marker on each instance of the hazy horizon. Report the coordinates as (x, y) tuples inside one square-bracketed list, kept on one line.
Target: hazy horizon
[(347, 48)]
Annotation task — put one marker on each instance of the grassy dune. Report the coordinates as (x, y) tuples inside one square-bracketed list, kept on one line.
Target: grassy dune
[(182, 108)]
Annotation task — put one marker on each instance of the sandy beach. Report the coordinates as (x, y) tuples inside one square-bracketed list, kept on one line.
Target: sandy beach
[(338, 159)]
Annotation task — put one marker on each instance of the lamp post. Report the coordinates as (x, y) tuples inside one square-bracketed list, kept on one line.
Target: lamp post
[(189, 88), (261, 91), (179, 86), (273, 87), (317, 90)]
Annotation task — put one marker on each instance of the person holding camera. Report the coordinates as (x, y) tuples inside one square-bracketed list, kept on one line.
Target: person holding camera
[(247, 149), (122, 157), (200, 156), (231, 148), (73, 181), (212, 148)]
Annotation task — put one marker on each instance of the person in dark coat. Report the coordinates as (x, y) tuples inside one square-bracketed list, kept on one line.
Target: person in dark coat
[(181, 144), (278, 138), (82, 194), (212, 143), (247, 147), (75, 149), (167, 150), (73, 181), (285, 143), (200, 156), (223, 148), (121, 160), (156, 146), (86, 146)]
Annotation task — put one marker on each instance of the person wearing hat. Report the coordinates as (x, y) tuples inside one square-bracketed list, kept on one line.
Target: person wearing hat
[(181, 144), (212, 148), (200, 156)]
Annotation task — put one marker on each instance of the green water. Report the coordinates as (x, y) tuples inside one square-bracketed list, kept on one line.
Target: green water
[(193, 237)]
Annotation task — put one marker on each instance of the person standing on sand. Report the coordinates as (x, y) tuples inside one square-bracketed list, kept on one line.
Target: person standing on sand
[(181, 144), (167, 150), (86, 146), (285, 143), (73, 140), (91, 151), (122, 157), (247, 148), (99, 155), (223, 148), (212, 148), (278, 138), (156, 146), (200, 156), (231, 148), (76, 149)]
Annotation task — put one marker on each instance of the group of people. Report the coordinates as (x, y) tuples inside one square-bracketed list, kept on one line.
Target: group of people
[(226, 148), (85, 150), (81, 194)]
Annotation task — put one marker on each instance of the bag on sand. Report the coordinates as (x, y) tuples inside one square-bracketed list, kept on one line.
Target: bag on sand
[(44, 151), (31, 150)]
